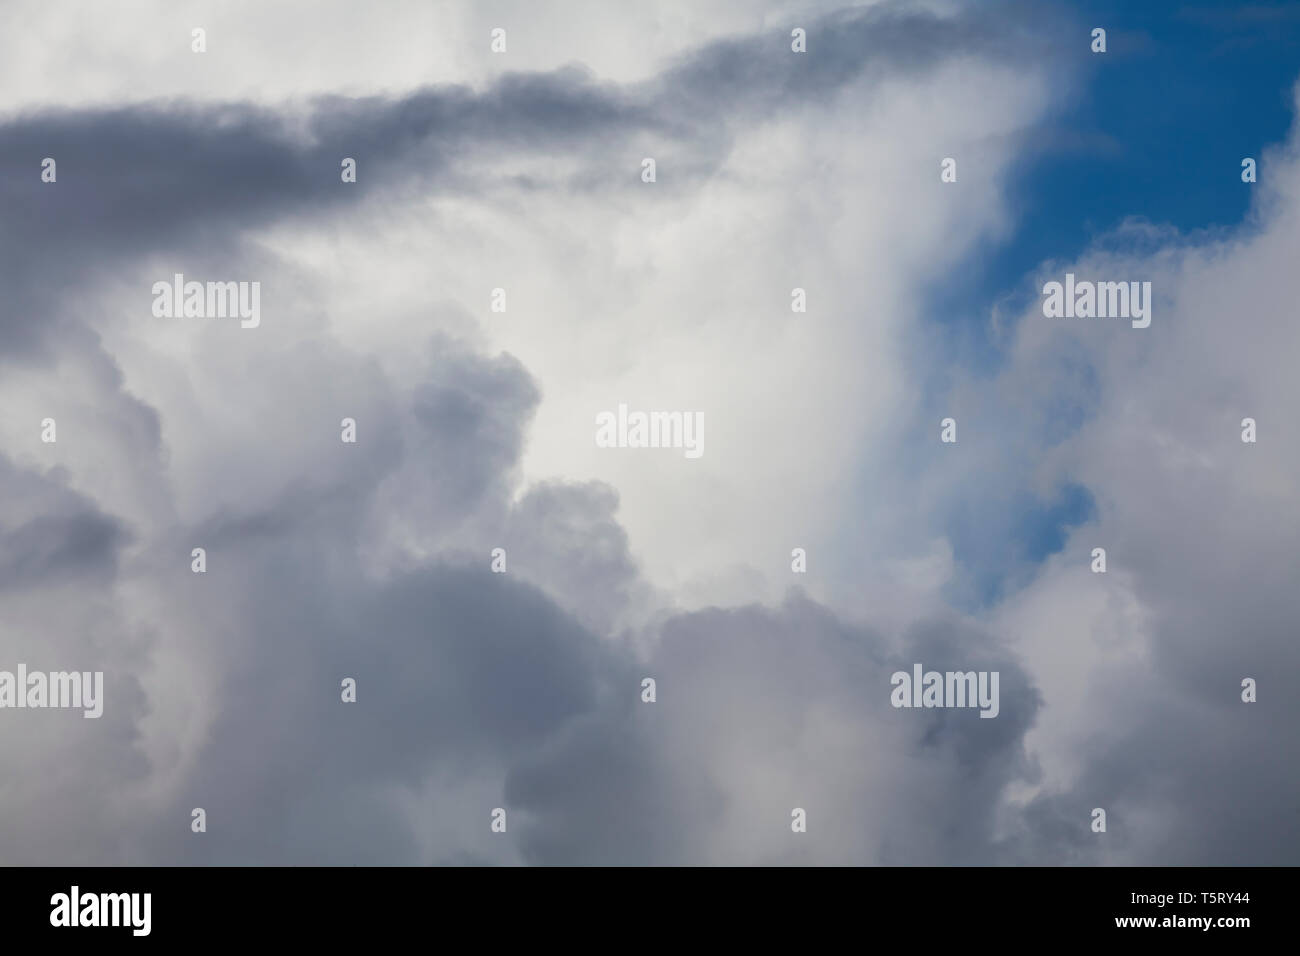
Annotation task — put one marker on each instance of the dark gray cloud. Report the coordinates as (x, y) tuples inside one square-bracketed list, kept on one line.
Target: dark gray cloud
[(760, 711), (187, 181), (50, 534)]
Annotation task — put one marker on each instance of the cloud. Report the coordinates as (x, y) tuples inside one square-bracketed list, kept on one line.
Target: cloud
[(761, 711), (1141, 668), (328, 560)]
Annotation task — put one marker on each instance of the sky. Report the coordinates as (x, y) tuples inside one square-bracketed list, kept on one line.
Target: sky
[(514, 680)]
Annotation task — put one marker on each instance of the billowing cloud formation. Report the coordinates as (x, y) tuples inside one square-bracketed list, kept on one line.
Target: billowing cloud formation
[(764, 711), (1142, 668), (522, 690)]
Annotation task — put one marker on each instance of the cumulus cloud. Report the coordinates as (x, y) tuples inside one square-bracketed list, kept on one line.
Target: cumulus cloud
[(1141, 668), (328, 560)]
